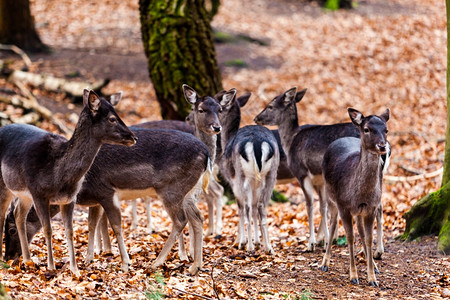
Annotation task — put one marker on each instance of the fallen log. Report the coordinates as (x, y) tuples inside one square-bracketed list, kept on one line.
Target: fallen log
[(54, 84)]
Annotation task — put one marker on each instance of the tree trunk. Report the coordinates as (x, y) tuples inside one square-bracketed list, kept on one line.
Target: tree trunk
[(178, 43), (17, 26), (431, 214)]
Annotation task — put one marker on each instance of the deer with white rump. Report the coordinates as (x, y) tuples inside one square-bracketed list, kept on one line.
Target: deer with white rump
[(249, 163), (353, 173), (46, 169)]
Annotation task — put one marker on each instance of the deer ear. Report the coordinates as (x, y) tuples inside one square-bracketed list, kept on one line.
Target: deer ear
[(244, 99), (356, 116), (385, 115), (299, 96), (190, 94), (289, 95), (93, 102), (114, 98), (227, 98)]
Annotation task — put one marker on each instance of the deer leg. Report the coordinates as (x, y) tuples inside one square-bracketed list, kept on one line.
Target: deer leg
[(5, 200), (256, 194), (210, 202), (67, 217), (248, 216), (182, 254), (20, 215), (308, 188), (148, 210), (195, 218), (323, 233), (115, 219), (93, 234), (368, 226), (134, 216), (380, 247), (333, 225), (362, 233), (241, 237), (178, 216), (347, 221), (42, 209), (103, 228), (219, 206)]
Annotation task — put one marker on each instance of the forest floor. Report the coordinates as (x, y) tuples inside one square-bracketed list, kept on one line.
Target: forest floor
[(381, 54)]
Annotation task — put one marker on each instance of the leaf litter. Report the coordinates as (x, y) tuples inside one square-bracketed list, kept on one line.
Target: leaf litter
[(381, 54)]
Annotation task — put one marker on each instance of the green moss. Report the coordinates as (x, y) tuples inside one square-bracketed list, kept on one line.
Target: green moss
[(444, 238), (236, 63)]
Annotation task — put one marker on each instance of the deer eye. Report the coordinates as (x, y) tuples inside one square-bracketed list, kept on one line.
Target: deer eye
[(386, 131), (201, 110), (12, 231), (366, 130), (112, 119)]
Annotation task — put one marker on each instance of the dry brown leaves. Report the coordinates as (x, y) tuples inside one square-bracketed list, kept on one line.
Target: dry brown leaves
[(383, 54)]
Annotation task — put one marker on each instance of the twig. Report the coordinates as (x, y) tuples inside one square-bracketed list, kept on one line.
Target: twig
[(415, 177), (42, 110), (214, 287), (26, 59), (192, 294), (411, 171)]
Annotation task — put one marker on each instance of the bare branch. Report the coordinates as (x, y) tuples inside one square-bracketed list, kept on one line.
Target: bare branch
[(415, 177), (26, 59)]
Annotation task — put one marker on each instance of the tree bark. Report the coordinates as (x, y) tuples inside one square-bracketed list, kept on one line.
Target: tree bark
[(431, 214), (178, 43), (17, 26)]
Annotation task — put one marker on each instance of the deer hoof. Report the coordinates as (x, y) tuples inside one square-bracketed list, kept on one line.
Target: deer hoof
[(324, 268), (311, 248), (373, 283), (193, 270), (354, 281), (377, 255), (376, 271)]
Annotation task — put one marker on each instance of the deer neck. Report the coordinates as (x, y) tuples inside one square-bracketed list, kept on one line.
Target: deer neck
[(368, 171), (230, 127), (288, 128), (78, 153), (209, 141)]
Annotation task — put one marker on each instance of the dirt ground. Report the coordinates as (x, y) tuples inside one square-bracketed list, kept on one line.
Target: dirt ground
[(383, 53)]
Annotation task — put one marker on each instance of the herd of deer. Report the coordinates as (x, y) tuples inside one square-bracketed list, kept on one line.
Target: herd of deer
[(105, 161)]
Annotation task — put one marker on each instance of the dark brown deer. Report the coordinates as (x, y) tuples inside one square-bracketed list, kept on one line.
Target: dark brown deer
[(353, 172), (249, 163), (304, 147), (46, 169)]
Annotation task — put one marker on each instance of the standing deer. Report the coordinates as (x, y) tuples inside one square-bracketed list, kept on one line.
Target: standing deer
[(353, 173), (305, 146), (44, 168), (249, 163), (205, 112)]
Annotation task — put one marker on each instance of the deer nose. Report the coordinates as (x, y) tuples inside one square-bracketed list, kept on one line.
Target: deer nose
[(216, 128), (381, 147)]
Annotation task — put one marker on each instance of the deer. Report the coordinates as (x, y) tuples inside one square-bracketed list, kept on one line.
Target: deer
[(42, 168), (353, 173), (205, 109), (160, 124), (205, 112), (249, 162), (305, 146)]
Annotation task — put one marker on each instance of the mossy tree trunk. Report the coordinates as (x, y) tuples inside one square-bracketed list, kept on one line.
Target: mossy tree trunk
[(178, 43), (431, 214), (17, 26)]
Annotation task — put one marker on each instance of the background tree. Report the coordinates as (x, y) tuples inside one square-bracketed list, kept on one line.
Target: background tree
[(178, 42), (17, 26), (431, 214)]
